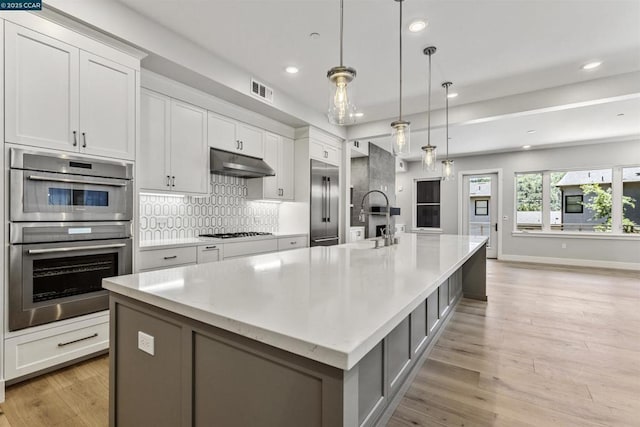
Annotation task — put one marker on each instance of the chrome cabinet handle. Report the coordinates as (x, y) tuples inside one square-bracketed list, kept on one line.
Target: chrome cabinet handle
[(210, 247), (168, 181), (324, 240), (76, 181), (173, 181), (84, 140), (293, 243), (75, 138), (242, 145), (237, 144), (74, 248), (171, 257), (62, 344)]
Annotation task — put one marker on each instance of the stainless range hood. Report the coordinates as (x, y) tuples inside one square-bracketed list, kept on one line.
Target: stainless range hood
[(232, 164)]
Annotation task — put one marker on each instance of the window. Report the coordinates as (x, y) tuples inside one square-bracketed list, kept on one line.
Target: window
[(529, 201), (428, 204), (589, 200), (631, 200), (573, 204), (482, 207)]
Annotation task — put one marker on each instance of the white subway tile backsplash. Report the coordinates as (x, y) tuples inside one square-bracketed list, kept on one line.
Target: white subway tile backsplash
[(225, 210)]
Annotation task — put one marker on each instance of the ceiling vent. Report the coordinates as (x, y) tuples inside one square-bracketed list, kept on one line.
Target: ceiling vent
[(261, 91)]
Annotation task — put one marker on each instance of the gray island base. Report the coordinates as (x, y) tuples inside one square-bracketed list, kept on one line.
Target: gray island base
[(205, 373)]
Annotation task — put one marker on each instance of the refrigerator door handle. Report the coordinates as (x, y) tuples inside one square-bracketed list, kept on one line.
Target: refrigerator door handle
[(329, 199), (324, 199)]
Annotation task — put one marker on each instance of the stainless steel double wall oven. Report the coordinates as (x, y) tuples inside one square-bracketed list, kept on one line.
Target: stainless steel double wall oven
[(70, 226)]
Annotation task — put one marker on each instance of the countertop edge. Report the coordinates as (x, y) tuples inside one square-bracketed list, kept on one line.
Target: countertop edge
[(198, 241)]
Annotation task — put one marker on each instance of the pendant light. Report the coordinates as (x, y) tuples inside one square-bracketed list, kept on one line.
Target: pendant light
[(341, 108), (447, 165), (429, 151), (401, 133)]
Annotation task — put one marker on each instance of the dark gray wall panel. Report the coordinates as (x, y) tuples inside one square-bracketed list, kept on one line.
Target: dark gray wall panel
[(370, 381), (443, 298), (236, 388), (148, 386), (432, 311), (474, 275), (399, 352), (418, 326)]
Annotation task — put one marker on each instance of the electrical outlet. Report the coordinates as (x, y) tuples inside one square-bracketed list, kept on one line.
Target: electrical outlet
[(564, 246), (146, 343)]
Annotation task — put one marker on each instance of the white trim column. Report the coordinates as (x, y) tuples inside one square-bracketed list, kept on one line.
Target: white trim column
[(546, 201), (616, 200)]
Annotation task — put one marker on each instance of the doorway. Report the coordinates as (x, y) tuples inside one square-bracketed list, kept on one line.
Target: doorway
[(480, 208)]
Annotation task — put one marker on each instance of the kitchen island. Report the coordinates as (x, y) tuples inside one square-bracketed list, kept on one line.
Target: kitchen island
[(323, 336)]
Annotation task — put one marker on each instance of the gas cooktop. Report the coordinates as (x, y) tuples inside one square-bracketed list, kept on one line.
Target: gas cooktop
[(235, 235)]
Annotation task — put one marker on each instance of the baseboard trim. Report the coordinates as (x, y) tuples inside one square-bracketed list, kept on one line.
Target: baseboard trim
[(572, 262)]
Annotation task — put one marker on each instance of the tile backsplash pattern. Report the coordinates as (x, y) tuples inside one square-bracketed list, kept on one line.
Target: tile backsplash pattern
[(225, 210)]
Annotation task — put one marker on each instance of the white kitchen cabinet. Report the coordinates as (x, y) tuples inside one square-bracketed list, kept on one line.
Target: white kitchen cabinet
[(359, 148), (293, 242), (279, 154), (107, 107), (61, 97), (189, 156), (209, 253), (156, 259), (252, 247), (173, 149), (236, 137), (324, 152)]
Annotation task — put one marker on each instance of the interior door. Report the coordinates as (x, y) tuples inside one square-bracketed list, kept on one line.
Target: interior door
[(41, 84), (107, 113), (480, 215)]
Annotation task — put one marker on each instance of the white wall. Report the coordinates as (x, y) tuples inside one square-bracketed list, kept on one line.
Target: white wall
[(623, 252)]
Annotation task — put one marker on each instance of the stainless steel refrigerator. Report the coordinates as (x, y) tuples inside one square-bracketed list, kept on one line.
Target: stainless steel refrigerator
[(325, 197)]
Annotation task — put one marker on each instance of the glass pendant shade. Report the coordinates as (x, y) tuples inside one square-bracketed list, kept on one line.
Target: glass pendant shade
[(448, 173), (341, 109), (429, 158), (400, 137)]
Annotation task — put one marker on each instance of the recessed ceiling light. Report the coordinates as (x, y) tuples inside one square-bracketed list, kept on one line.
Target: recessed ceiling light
[(452, 95), (417, 25), (526, 147), (291, 69), (591, 65), (359, 114), (531, 131)]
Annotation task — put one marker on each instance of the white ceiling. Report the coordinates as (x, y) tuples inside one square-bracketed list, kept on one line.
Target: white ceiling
[(488, 48)]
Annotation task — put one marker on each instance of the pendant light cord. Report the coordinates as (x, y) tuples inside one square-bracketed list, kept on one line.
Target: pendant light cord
[(401, 1), (446, 113), (429, 106), (341, 28)]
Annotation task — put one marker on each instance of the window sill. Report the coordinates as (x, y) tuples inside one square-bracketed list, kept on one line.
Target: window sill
[(574, 235), (427, 230)]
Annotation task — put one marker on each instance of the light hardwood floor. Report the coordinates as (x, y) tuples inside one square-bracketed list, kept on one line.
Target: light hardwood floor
[(553, 346)]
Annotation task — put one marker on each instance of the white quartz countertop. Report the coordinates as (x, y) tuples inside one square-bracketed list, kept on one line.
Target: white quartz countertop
[(201, 241), (331, 304)]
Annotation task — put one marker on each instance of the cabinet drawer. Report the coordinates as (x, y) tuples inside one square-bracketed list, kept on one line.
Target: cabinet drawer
[(286, 243), (209, 253), (30, 353), (250, 248), (162, 258)]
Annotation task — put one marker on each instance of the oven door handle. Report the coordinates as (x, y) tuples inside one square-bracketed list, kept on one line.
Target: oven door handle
[(76, 181), (75, 248)]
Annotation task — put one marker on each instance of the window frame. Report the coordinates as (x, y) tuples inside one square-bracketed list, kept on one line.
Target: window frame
[(415, 205), (616, 232), (566, 204), (485, 207)]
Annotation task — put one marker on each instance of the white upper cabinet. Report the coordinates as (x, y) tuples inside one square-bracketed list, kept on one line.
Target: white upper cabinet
[(173, 145), (61, 97), (41, 86), (154, 163), (107, 113), (279, 154), (189, 155), (236, 137), (324, 152)]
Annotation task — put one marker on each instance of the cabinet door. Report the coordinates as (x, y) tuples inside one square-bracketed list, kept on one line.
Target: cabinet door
[(317, 151), (107, 107), (250, 140), (153, 162), (41, 85), (332, 155), (222, 133), (189, 156), (271, 187), (285, 169)]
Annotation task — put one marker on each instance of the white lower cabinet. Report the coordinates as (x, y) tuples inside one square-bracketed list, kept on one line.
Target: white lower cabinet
[(295, 242), (164, 258), (239, 249), (209, 253), (31, 352)]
